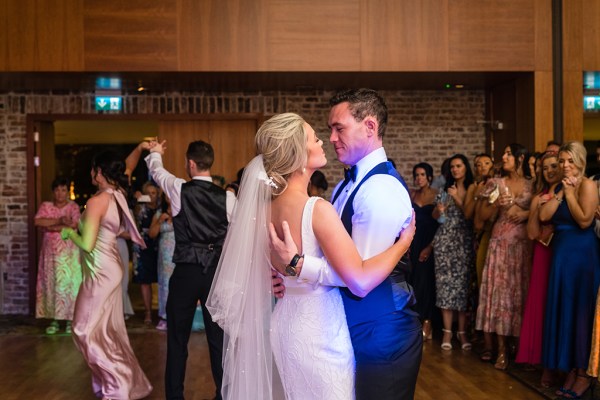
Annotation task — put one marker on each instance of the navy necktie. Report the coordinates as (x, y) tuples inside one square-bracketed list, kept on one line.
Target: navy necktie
[(350, 173)]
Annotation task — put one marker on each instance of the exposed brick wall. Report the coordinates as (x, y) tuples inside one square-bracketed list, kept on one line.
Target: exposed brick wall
[(423, 126)]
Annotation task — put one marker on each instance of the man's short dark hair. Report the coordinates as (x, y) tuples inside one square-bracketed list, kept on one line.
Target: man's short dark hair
[(363, 103), (201, 153)]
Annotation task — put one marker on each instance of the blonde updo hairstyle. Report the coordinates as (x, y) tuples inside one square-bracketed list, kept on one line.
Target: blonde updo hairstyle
[(578, 152), (282, 142)]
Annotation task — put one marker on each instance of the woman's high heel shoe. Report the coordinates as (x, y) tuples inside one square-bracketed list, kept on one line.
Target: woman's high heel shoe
[(568, 384), (572, 394), (465, 344), (427, 334), (501, 361), (447, 345)]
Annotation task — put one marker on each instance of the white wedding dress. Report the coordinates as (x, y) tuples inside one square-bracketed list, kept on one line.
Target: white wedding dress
[(309, 334)]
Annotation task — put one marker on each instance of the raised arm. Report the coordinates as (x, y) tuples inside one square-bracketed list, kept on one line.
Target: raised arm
[(168, 182), (134, 157), (90, 224)]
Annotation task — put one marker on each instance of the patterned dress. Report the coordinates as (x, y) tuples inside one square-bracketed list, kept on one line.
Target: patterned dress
[(454, 260), (59, 269), (506, 273), (166, 247)]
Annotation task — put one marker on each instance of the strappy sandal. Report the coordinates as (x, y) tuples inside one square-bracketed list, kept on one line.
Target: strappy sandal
[(571, 394), (569, 381), (447, 345), (465, 344)]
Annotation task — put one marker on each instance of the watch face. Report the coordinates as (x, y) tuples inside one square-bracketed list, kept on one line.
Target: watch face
[(291, 271)]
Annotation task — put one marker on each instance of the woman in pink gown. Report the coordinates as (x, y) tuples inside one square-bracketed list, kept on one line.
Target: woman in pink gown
[(530, 341), (98, 325), (59, 271)]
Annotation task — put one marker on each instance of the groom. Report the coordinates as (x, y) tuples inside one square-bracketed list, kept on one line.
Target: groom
[(373, 203)]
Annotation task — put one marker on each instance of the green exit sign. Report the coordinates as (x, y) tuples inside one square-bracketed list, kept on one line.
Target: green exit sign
[(591, 103), (109, 103)]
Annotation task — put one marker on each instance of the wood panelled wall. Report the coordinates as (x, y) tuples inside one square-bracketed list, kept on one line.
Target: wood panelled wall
[(275, 35)]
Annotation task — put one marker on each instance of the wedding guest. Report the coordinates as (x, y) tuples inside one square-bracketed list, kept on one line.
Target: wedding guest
[(162, 228), (422, 276), (201, 211), (453, 251), (506, 271), (530, 340), (574, 273), (483, 229), (318, 184), (59, 270), (98, 325), (145, 258)]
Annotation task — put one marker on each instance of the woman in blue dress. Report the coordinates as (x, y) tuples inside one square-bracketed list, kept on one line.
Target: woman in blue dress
[(145, 270), (575, 272), (422, 275)]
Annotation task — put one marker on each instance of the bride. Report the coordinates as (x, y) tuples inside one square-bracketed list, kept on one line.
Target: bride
[(306, 333)]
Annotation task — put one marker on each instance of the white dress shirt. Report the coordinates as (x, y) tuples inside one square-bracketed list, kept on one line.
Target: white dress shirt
[(382, 208), (171, 185)]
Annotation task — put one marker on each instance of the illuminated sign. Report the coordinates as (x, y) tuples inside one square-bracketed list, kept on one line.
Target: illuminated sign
[(109, 103)]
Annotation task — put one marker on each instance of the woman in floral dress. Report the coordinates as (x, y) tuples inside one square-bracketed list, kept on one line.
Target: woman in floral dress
[(453, 251), (162, 227), (59, 270), (506, 271)]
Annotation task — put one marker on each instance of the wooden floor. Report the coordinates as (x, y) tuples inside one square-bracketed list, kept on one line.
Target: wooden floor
[(36, 366)]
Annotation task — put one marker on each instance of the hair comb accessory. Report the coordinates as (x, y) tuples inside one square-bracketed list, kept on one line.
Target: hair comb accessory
[(266, 179)]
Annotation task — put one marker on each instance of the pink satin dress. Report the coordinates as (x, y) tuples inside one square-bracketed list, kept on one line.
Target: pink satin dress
[(98, 325)]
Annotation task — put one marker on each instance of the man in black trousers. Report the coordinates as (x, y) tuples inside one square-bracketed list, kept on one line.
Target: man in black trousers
[(201, 211)]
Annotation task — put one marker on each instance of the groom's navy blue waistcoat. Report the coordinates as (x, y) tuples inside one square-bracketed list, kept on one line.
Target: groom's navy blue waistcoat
[(392, 294)]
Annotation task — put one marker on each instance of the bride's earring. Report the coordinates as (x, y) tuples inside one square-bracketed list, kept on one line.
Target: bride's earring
[(304, 170)]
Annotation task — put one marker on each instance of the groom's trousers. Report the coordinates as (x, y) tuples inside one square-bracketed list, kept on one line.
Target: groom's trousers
[(388, 355)]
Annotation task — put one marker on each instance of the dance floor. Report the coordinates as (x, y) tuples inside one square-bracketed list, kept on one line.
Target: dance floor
[(36, 366)]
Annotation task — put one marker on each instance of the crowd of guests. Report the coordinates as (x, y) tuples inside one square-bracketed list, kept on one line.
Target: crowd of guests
[(59, 270), (509, 252)]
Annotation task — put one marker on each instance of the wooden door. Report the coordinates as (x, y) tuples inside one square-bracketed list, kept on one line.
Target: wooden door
[(232, 140)]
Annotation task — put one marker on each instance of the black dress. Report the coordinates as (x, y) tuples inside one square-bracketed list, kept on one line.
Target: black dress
[(145, 261), (422, 276)]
